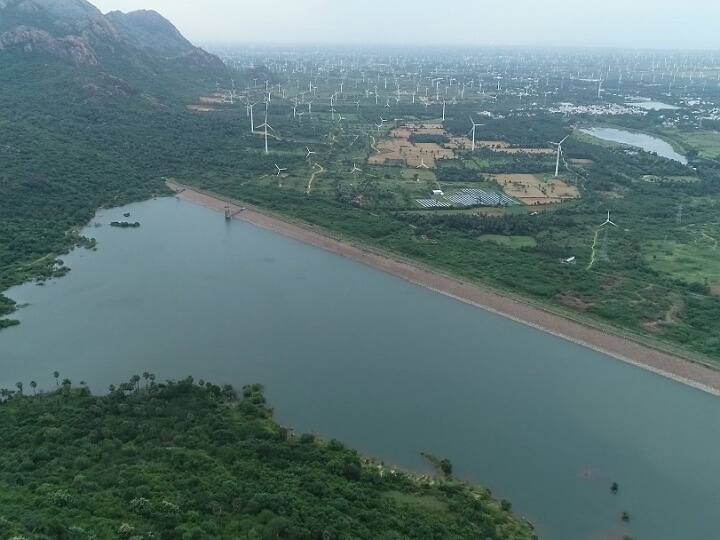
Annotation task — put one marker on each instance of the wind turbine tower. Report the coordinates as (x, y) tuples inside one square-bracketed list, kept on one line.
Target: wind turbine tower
[(266, 126), (474, 126), (559, 153)]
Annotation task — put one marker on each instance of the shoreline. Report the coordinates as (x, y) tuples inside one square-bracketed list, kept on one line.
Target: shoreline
[(685, 371)]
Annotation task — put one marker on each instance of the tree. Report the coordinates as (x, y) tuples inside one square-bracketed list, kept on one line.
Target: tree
[(33, 385), (56, 374), (135, 380), (19, 387), (146, 376)]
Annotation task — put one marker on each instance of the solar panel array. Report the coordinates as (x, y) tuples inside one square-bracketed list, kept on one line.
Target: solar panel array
[(432, 203), (469, 197)]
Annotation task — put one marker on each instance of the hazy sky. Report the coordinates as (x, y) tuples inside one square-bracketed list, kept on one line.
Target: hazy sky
[(612, 23)]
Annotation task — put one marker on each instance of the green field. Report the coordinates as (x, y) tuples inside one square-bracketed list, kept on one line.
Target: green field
[(515, 242), (706, 143), (691, 263)]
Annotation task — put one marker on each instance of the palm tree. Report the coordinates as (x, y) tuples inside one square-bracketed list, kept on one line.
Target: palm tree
[(19, 387), (56, 374), (135, 380), (33, 385), (146, 376)]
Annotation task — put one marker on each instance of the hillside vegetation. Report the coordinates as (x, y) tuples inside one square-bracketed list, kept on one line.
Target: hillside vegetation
[(88, 113)]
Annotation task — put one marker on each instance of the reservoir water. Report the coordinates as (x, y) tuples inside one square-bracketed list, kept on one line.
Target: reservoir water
[(390, 368), (638, 140), (653, 105)]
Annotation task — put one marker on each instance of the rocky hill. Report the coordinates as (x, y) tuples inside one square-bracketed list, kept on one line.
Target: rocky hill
[(125, 45)]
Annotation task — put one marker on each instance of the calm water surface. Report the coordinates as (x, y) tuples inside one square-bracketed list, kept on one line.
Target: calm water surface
[(388, 367), (639, 140), (653, 105)]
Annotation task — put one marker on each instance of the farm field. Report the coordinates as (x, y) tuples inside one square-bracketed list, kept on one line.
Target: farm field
[(502, 147), (533, 190), (399, 149)]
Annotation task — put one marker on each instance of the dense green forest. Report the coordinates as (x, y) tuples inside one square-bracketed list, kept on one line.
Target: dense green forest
[(193, 460)]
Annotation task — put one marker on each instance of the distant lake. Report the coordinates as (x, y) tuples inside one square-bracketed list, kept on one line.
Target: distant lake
[(638, 140), (388, 367), (652, 105)]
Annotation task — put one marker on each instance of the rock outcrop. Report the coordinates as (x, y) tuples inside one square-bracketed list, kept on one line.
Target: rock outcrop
[(77, 32)]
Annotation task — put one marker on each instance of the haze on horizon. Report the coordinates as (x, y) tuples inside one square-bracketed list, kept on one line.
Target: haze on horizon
[(644, 24)]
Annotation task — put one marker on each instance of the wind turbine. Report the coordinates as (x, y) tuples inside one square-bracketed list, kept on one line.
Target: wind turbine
[(422, 164), (559, 152), (474, 125), (608, 221), (355, 169), (309, 153), (252, 118), (279, 170), (266, 126)]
